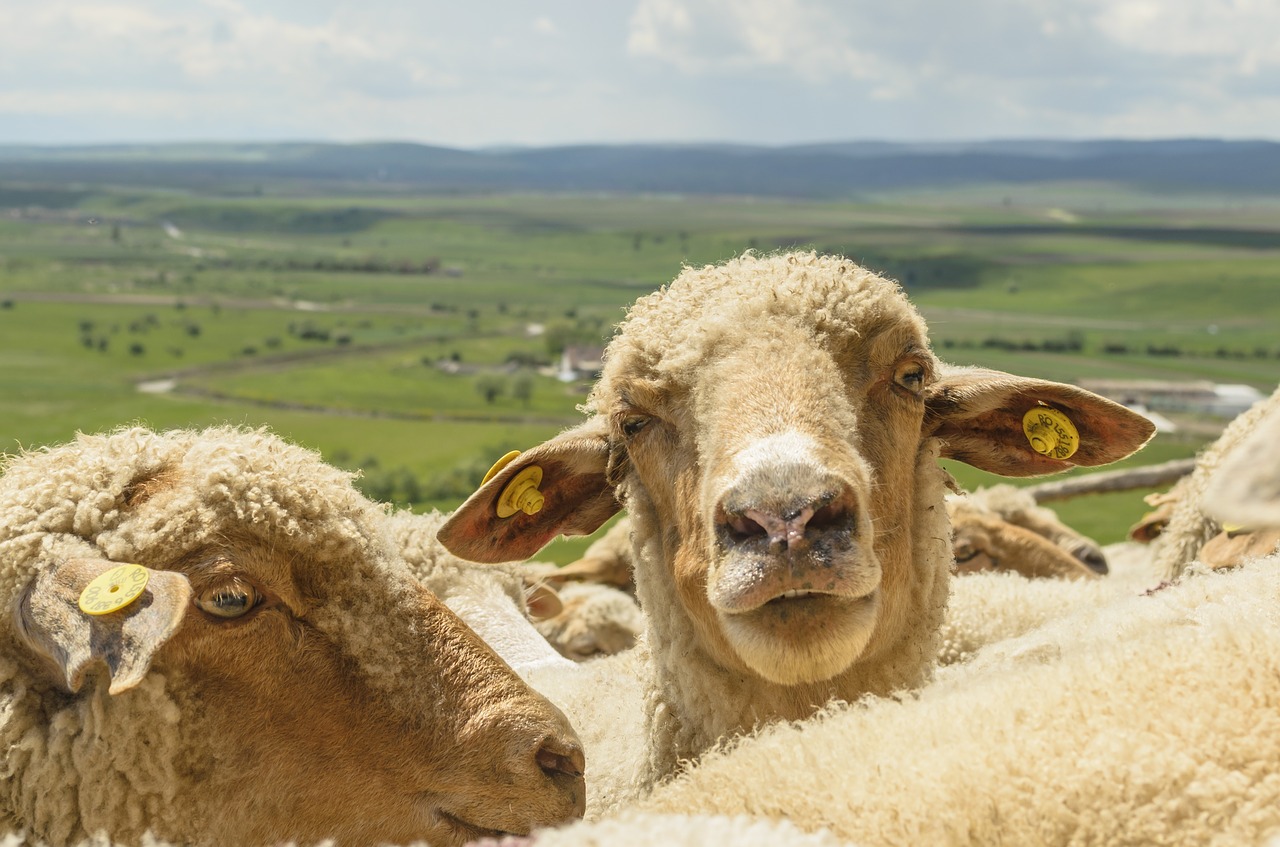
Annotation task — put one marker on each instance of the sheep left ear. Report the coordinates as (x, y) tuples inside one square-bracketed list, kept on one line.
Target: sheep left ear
[(572, 496), (53, 624), (979, 416)]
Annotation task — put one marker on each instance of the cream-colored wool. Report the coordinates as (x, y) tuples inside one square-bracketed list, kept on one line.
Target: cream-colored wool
[(1246, 490), (987, 608), (1155, 720), (639, 829), (157, 756), (1189, 527)]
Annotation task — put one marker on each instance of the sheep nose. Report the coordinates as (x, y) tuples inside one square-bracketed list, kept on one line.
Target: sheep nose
[(564, 763), (785, 510), (1094, 559), (558, 757), (785, 530)]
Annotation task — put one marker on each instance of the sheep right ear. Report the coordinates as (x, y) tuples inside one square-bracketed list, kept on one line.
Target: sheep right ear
[(52, 624), (576, 498)]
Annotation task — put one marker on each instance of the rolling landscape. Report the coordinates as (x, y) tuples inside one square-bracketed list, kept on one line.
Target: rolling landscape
[(405, 309)]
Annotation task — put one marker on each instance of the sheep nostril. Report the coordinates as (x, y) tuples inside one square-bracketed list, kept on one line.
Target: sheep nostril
[(1092, 559), (555, 759)]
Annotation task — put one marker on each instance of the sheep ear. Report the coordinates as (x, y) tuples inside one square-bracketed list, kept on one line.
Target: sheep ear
[(576, 499), (542, 601), (52, 624), (978, 416)]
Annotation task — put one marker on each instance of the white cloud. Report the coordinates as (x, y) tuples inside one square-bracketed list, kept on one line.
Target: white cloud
[(565, 71), (799, 37), (1241, 35)]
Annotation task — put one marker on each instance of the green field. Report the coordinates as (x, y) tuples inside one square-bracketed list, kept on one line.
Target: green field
[(369, 326)]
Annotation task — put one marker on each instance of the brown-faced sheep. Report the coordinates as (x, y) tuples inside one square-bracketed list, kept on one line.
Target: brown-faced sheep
[(280, 677), (1003, 528), (493, 601), (595, 620), (772, 425)]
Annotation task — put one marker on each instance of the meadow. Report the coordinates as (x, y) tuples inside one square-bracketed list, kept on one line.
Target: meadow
[(413, 337)]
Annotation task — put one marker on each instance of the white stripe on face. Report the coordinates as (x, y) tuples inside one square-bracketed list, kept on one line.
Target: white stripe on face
[(784, 448)]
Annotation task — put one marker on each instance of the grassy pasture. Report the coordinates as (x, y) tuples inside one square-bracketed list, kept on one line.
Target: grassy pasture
[(328, 317)]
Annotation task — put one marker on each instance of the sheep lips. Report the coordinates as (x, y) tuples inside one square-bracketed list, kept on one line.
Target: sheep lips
[(793, 574)]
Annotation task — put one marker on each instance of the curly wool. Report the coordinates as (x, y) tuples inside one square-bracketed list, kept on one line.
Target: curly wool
[(672, 332), (70, 759), (1189, 527), (1153, 720)]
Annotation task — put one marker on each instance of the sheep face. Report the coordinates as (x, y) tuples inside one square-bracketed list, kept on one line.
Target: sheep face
[(316, 691), (769, 425)]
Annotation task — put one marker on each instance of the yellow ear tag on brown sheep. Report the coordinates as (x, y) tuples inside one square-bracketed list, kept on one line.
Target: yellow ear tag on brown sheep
[(1050, 433), (113, 590), (522, 494), (498, 466)]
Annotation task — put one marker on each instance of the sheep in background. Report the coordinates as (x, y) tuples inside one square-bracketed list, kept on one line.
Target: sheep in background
[(742, 416), (280, 676), (1190, 528), (1003, 528), (606, 562), (596, 620)]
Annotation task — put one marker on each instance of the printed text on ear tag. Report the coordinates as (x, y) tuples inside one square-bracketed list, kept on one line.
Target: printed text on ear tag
[(1050, 432), (113, 590)]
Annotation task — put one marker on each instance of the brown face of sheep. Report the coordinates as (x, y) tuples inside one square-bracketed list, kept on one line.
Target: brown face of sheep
[(779, 483), (348, 707), (985, 542)]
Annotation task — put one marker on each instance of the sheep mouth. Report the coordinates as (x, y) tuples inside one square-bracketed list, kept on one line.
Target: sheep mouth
[(468, 832)]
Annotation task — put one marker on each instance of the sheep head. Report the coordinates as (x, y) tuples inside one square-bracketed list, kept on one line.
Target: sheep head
[(299, 683), (767, 423)]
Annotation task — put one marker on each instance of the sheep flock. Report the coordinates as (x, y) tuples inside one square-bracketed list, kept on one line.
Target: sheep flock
[(800, 634)]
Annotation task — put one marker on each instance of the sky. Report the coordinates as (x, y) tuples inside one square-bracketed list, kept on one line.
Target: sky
[(541, 72)]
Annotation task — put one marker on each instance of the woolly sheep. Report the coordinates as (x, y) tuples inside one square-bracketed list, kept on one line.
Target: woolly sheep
[(742, 417), (1002, 527), (281, 677), (1153, 720), (596, 620), (1190, 528)]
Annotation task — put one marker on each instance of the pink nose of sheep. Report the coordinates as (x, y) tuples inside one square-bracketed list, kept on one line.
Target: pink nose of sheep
[(786, 532)]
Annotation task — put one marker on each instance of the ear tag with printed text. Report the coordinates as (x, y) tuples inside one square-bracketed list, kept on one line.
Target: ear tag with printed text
[(112, 590), (1050, 432)]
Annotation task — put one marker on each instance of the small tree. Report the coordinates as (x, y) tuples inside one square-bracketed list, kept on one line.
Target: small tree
[(522, 388), (491, 386)]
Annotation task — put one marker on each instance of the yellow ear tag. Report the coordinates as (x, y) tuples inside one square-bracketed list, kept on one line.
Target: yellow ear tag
[(1051, 433), (522, 494), (113, 590), (498, 466)]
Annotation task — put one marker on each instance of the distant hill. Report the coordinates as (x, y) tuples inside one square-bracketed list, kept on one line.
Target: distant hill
[(815, 170)]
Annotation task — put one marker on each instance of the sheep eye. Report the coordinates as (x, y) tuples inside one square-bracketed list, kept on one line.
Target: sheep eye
[(910, 377), (228, 601), (632, 424)]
